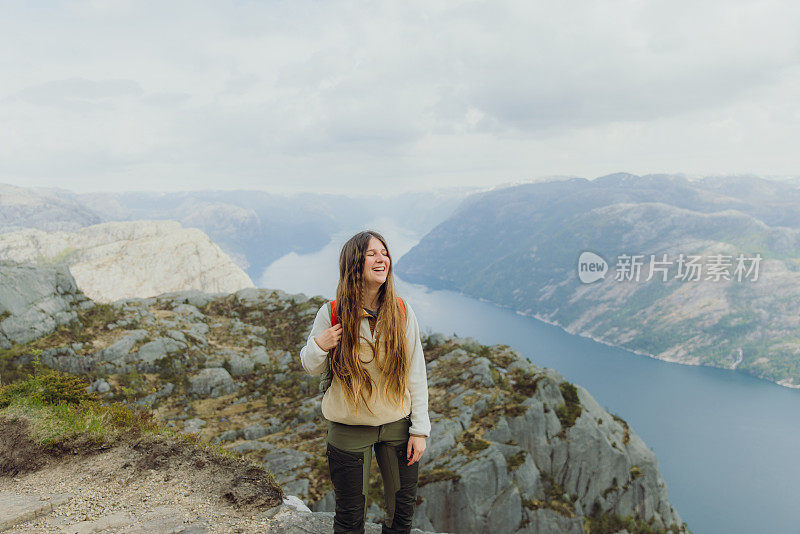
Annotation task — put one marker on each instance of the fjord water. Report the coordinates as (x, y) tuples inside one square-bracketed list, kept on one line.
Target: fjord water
[(727, 444)]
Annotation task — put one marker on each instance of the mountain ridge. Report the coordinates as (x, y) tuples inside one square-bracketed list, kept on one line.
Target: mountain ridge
[(519, 248)]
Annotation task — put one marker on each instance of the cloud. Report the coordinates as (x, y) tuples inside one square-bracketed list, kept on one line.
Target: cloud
[(143, 94), (78, 92)]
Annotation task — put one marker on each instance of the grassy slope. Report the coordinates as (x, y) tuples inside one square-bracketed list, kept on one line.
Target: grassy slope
[(50, 414)]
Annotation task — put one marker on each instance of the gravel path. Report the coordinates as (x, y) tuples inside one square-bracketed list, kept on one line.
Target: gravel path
[(106, 486)]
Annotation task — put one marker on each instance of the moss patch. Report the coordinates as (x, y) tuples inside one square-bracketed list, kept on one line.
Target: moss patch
[(437, 474), (516, 460), (568, 411), (626, 437), (605, 523), (472, 442)]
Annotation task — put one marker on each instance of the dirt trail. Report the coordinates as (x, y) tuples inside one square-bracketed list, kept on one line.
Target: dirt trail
[(144, 484)]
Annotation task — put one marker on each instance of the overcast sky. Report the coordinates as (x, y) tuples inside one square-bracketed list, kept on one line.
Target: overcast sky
[(343, 96)]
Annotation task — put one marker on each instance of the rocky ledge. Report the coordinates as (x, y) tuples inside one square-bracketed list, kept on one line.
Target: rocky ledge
[(116, 260), (514, 448)]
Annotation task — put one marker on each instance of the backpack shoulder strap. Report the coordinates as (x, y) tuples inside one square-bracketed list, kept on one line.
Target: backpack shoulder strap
[(334, 318)]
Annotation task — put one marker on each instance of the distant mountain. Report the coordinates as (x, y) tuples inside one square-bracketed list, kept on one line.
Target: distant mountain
[(519, 247), (117, 260), (46, 209), (253, 227)]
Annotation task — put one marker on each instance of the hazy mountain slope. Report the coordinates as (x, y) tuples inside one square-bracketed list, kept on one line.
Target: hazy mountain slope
[(519, 247), (255, 228), (776, 202), (45, 209)]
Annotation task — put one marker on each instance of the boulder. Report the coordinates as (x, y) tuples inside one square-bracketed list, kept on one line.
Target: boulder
[(120, 349), (254, 432), (35, 300), (240, 365), (193, 426), (229, 435), (211, 382), (157, 349), (101, 386)]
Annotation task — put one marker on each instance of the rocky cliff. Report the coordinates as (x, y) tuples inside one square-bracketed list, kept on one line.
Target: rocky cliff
[(35, 300), (117, 260), (514, 448)]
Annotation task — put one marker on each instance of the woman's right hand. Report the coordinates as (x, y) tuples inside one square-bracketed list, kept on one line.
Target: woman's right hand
[(329, 337)]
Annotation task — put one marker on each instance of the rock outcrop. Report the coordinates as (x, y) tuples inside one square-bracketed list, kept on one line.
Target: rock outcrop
[(34, 301), (116, 260), (514, 448)]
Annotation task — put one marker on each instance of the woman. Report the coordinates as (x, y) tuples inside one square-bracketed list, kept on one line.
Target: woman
[(378, 395)]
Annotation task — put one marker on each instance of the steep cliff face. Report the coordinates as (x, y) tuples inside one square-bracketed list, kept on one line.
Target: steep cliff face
[(111, 261), (514, 448)]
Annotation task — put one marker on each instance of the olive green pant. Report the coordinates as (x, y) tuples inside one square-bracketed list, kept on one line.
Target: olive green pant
[(349, 451)]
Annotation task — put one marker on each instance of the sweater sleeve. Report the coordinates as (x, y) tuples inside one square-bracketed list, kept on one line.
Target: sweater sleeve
[(312, 357), (417, 378)]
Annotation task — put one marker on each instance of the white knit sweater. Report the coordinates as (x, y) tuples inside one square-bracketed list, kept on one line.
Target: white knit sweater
[(313, 357)]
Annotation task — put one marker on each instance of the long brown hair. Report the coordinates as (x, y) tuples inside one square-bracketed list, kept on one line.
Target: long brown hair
[(389, 330)]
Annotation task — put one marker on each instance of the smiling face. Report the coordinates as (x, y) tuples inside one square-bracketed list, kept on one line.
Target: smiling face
[(376, 263)]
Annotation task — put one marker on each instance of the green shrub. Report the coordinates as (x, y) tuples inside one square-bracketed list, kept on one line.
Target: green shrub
[(473, 443), (436, 475), (599, 522), (626, 438), (525, 383), (48, 387), (570, 410), (515, 461), (59, 406)]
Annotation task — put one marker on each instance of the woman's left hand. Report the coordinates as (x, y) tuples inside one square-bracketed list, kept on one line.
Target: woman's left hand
[(416, 446)]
